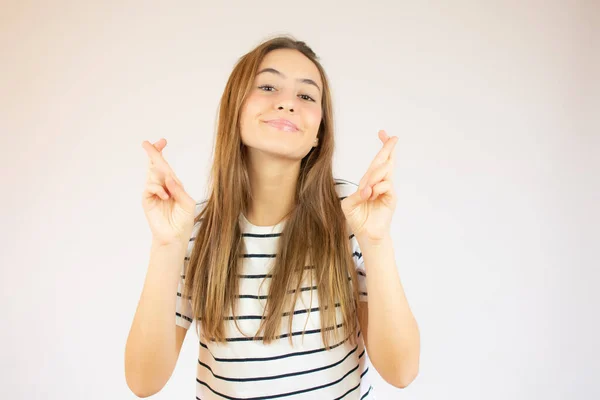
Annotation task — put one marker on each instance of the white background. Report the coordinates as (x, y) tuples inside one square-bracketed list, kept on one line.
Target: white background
[(497, 226)]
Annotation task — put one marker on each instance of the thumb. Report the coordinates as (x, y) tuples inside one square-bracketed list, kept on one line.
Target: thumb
[(356, 198), (178, 193)]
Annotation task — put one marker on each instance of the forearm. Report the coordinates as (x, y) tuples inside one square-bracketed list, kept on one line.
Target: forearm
[(393, 333), (150, 352)]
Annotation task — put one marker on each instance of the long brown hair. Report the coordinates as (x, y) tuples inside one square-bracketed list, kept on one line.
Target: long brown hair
[(316, 227)]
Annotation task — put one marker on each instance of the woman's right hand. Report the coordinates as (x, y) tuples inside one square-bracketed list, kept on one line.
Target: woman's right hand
[(168, 208)]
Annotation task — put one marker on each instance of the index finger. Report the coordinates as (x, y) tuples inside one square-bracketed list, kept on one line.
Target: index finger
[(155, 156), (385, 152)]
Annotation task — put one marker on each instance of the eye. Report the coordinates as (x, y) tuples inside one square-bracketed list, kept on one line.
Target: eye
[(263, 87), (267, 88), (307, 97)]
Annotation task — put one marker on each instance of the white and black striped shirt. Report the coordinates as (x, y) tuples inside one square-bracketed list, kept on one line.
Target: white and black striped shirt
[(244, 368)]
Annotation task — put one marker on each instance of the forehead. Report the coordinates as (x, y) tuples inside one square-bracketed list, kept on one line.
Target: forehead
[(292, 64)]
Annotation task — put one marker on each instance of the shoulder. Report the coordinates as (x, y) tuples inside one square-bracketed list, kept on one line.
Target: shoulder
[(190, 247), (199, 207), (344, 187)]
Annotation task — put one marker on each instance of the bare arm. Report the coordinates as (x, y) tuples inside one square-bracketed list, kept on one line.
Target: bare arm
[(154, 340), (391, 332)]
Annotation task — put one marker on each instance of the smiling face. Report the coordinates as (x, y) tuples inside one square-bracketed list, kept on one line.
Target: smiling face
[(282, 113)]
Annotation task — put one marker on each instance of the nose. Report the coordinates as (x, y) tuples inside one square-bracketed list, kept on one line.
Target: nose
[(281, 107), (286, 102)]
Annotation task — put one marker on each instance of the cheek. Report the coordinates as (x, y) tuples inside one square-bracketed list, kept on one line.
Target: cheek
[(250, 111), (313, 116), (255, 104)]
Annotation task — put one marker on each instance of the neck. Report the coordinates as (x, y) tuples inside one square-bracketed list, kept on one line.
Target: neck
[(273, 186)]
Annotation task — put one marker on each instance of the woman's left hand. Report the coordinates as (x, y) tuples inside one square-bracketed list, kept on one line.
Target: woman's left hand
[(369, 210)]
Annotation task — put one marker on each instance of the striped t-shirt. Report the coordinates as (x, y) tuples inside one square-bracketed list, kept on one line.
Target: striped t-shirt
[(244, 368)]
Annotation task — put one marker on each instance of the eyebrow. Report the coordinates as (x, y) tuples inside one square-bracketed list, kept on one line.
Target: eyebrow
[(303, 80)]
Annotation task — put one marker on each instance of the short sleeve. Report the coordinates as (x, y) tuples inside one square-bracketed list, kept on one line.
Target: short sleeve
[(345, 188), (361, 273), (183, 307)]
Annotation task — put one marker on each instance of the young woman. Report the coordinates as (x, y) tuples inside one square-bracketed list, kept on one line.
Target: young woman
[(273, 265)]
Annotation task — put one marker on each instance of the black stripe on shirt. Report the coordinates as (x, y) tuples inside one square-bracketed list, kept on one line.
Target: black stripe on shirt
[(273, 377), (271, 255), (266, 296), (259, 255), (367, 393), (250, 339), (285, 314), (261, 235), (364, 372), (263, 297), (251, 296), (281, 394), (184, 317), (265, 235), (272, 235), (271, 358), (255, 276), (348, 392)]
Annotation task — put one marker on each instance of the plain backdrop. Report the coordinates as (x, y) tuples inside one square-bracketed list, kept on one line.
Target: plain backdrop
[(496, 231)]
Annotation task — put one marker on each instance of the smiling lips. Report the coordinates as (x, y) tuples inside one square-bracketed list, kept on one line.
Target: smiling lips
[(282, 124)]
